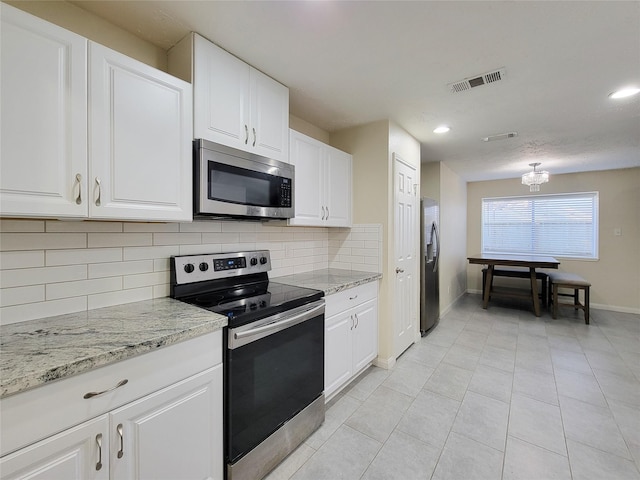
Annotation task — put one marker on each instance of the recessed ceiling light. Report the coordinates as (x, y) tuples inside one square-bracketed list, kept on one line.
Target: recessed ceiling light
[(442, 129), (625, 92)]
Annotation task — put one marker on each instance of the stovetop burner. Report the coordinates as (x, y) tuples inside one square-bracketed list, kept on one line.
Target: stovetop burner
[(246, 304), (236, 286)]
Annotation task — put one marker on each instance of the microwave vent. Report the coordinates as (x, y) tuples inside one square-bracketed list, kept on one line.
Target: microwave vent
[(478, 80)]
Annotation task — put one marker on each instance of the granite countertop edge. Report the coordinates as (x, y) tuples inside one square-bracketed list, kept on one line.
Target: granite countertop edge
[(330, 280), (28, 349), (25, 366)]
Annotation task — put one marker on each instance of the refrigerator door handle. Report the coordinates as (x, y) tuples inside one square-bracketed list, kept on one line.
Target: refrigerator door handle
[(434, 233)]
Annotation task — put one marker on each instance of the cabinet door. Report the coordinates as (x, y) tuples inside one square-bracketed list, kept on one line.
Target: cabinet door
[(306, 156), (338, 187), (365, 335), (337, 352), (221, 93), (269, 117), (43, 118), (82, 452), (140, 149), (173, 433)]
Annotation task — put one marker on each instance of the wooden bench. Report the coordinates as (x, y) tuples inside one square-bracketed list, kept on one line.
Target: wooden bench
[(558, 280), (516, 272)]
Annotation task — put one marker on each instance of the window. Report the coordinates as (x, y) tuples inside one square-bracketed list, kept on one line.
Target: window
[(558, 225)]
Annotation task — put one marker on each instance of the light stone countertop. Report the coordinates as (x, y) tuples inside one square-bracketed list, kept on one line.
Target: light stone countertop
[(329, 280), (35, 352)]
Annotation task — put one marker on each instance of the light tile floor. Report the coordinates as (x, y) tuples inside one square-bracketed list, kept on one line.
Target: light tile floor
[(490, 394)]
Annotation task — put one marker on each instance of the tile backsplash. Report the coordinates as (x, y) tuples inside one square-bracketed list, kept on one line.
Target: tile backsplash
[(52, 267)]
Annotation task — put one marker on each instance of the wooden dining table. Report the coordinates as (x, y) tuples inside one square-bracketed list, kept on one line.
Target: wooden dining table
[(529, 261)]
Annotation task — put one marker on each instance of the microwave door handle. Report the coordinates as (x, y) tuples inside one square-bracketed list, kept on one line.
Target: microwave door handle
[(241, 338)]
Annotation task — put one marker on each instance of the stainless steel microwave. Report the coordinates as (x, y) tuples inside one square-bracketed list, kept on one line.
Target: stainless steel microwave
[(232, 183)]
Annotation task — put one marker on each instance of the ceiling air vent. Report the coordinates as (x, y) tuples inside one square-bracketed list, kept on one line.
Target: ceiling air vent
[(500, 136), (472, 82)]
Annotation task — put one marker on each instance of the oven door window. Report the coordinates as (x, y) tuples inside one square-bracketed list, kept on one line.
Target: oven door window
[(231, 184), (271, 380)]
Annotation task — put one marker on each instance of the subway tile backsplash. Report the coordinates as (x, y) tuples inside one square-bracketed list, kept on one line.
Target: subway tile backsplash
[(52, 267)]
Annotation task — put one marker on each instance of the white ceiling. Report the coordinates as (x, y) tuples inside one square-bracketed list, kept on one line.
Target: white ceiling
[(350, 63)]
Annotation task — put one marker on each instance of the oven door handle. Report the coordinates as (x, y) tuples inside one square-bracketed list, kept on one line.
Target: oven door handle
[(247, 336)]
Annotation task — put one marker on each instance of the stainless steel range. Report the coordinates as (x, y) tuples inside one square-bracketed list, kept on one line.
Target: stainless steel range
[(274, 355)]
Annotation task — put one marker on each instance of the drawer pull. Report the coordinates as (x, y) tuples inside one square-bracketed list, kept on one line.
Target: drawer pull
[(354, 297), (121, 439), (99, 442), (95, 394)]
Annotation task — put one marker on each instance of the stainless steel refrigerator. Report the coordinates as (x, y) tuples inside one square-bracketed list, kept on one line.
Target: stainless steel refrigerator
[(429, 256)]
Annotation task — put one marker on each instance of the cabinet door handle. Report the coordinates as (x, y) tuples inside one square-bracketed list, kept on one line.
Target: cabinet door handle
[(327, 213), (352, 323), (121, 440), (99, 191), (99, 442), (254, 137), (95, 394), (399, 270), (79, 197), (322, 207), (246, 134), (357, 320)]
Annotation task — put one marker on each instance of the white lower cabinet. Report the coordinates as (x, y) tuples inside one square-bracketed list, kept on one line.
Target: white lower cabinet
[(169, 433), (351, 335), (80, 452)]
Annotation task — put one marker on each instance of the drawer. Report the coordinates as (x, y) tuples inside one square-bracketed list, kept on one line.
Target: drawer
[(342, 301), (43, 411)]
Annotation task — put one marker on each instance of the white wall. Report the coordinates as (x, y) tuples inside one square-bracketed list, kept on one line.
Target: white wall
[(51, 267), (453, 233)]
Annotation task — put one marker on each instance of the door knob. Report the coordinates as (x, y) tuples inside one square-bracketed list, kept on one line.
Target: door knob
[(399, 270)]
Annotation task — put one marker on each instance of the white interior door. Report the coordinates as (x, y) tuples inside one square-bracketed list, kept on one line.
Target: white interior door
[(406, 244)]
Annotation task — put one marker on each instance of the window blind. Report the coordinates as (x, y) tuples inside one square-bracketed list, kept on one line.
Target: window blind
[(558, 225)]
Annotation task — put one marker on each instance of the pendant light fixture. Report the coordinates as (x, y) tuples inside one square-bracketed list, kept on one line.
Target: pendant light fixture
[(535, 178)]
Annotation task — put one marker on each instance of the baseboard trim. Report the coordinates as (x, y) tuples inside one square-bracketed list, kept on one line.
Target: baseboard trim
[(597, 306), (615, 308)]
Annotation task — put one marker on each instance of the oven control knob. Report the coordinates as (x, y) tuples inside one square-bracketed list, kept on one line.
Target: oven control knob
[(253, 306), (189, 268), (253, 261), (263, 303), (263, 260), (204, 267)]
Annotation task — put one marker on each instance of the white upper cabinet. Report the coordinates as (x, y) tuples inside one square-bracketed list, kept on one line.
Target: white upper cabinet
[(43, 156), (338, 187), (237, 105), (135, 161), (140, 149), (307, 157), (323, 183)]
